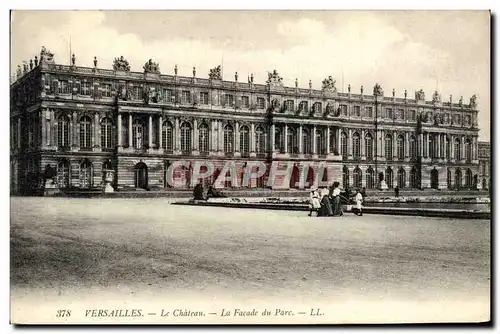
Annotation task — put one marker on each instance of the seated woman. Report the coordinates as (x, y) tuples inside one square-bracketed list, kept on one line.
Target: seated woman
[(326, 208)]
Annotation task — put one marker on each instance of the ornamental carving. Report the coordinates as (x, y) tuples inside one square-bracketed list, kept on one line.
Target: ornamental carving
[(121, 64), (46, 56), (275, 105), (472, 103), (328, 85), (436, 98), (151, 67), (330, 110), (274, 78), (420, 95), (377, 90), (215, 73)]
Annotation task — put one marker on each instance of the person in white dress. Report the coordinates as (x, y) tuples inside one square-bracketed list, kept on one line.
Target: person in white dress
[(359, 202), (314, 203)]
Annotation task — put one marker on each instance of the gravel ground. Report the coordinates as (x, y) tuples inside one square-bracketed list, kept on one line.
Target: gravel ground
[(84, 253)]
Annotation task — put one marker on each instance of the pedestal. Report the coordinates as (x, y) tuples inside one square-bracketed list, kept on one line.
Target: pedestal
[(108, 188), (383, 185), (50, 187)]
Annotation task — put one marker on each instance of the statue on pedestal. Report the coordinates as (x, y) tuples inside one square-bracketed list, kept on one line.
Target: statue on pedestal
[(215, 73), (121, 64)]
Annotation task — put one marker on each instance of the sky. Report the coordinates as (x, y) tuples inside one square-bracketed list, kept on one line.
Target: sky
[(448, 51)]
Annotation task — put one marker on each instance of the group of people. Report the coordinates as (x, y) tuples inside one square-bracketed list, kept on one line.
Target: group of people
[(199, 193), (328, 202)]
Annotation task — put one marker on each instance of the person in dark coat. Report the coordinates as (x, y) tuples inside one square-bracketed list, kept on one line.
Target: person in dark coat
[(326, 208), (198, 192), (337, 205)]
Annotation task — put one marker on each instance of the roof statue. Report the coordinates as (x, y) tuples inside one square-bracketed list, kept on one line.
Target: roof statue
[(215, 73), (473, 103), (420, 95), (151, 67), (121, 64), (377, 90), (19, 71), (436, 97), (46, 56), (461, 100), (274, 78), (328, 84)]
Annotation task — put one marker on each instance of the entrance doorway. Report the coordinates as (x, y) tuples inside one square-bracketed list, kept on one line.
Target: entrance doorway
[(434, 179), (141, 175)]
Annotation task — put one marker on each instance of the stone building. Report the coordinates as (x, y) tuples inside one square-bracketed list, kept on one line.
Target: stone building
[(69, 123), (485, 164)]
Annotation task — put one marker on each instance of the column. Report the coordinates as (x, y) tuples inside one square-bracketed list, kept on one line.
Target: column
[(407, 145), (301, 151), (421, 145), (252, 137), (19, 132), (150, 132), (327, 140), (349, 143), (474, 148), (120, 143), (237, 137), (337, 139), (452, 147), (177, 135), (426, 144), (196, 134), (382, 143), (462, 148), (43, 129), (285, 139), (129, 130), (220, 136), (273, 139), (48, 124), (439, 145), (160, 132), (394, 146), (314, 140), (74, 128), (97, 133), (362, 144)]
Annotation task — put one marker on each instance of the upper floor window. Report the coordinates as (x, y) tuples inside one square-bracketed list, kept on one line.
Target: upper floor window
[(357, 111), (106, 90), (401, 114), (137, 93), (317, 107), (245, 101), (261, 103), (64, 87), (413, 115), (303, 106), (369, 111), (203, 98), (229, 100), (186, 96), (169, 95), (85, 88), (289, 105), (388, 113), (343, 109)]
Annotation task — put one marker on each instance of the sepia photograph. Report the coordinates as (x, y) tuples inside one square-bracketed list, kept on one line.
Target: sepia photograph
[(221, 167)]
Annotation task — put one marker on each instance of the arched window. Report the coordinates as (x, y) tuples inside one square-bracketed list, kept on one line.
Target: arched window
[(63, 175), (332, 141), (86, 174), (306, 142), (357, 176), (320, 142), (356, 147), (401, 178), (203, 138), (388, 147), (413, 178), (185, 137), (401, 147), (293, 145), (343, 145), (63, 131), (468, 178), (456, 149), (260, 140), (369, 178), (137, 134), (106, 133), (279, 144), (167, 136), (369, 146), (85, 132), (345, 177), (468, 149), (413, 148), (458, 178), (389, 177), (228, 139), (244, 140)]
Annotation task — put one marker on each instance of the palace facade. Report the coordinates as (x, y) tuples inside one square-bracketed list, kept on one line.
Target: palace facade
[(69, 124), (485, 164)]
